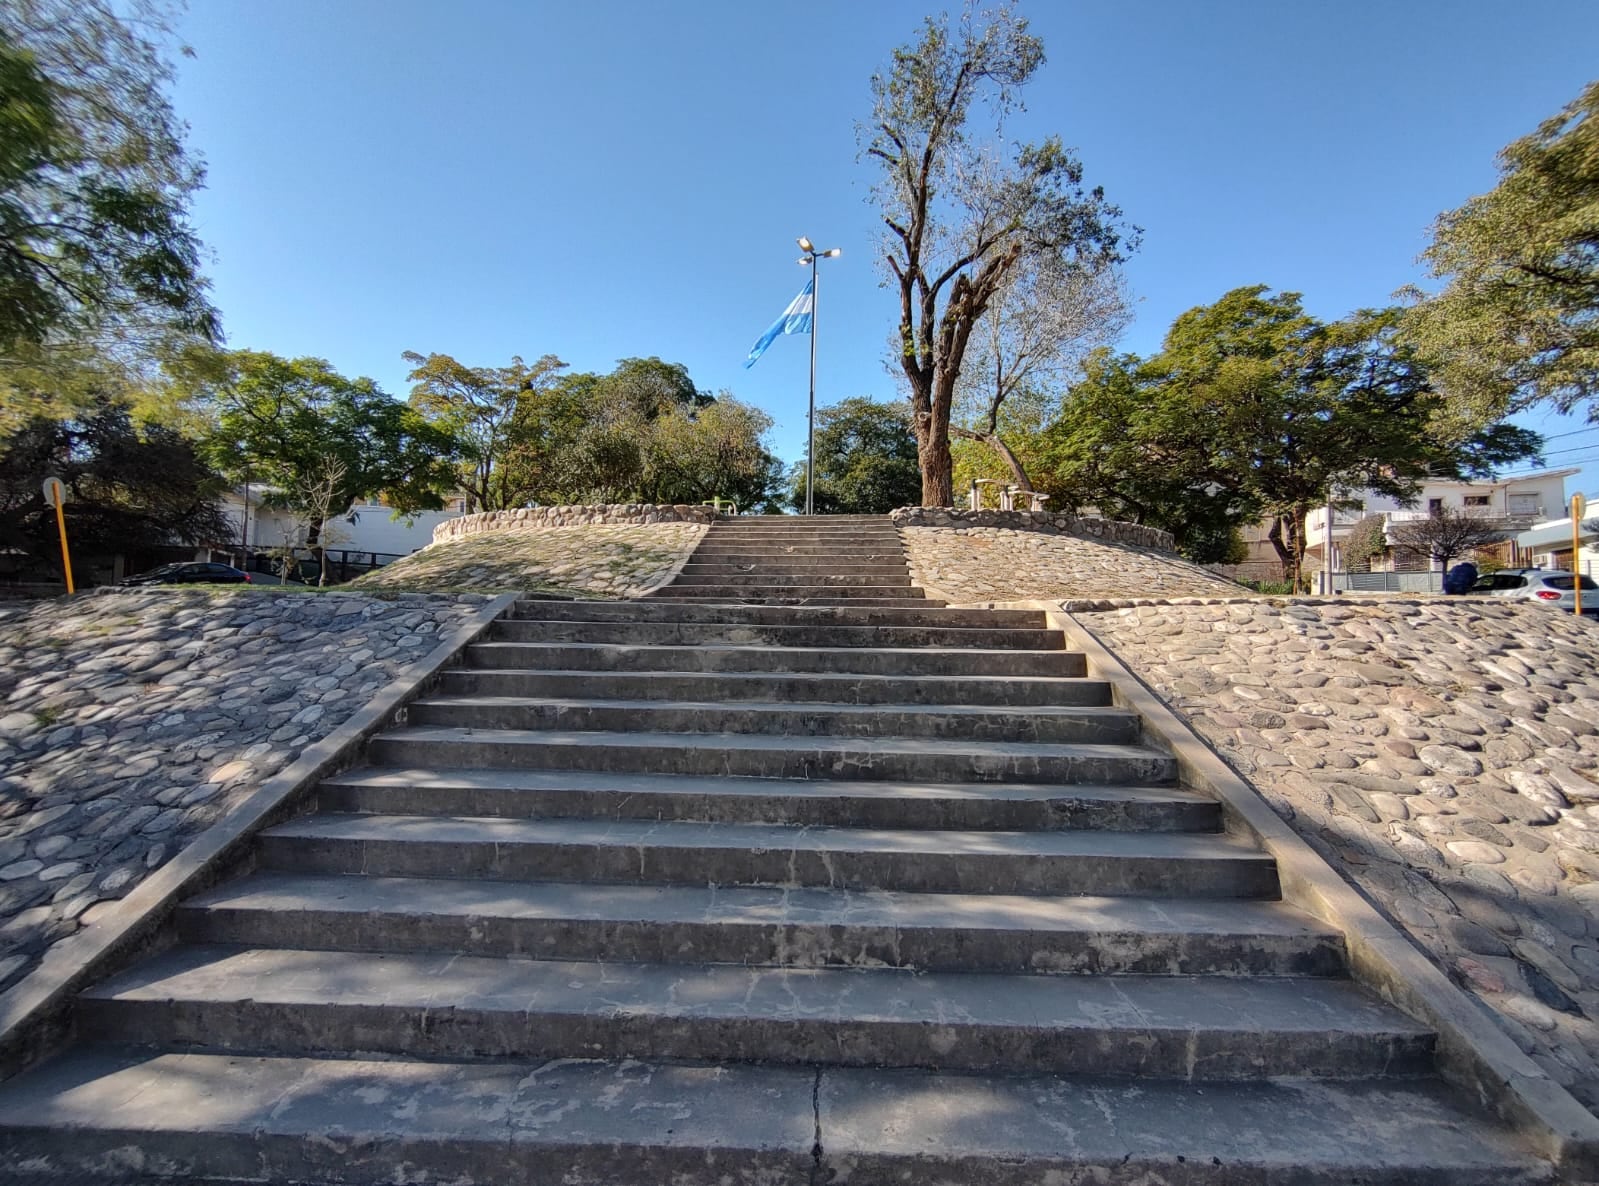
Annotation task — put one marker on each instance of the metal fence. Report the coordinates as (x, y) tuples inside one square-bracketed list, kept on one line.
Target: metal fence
[(1382, 582)]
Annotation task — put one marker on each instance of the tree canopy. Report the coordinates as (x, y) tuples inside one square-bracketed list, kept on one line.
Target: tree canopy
[(128, 486), (642, 433), (478, 407), (865, 460), (961, 213), (279, 421), (1253, 407), (1517, 322), (99, 269)]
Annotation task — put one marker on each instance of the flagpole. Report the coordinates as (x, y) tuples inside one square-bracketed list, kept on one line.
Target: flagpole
[(810, 437), (811, 256)]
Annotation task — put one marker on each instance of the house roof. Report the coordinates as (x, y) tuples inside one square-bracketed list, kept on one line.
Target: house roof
[(1558, 532)]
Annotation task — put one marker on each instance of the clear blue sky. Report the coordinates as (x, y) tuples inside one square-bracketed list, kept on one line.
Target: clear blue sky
[(627, 177)]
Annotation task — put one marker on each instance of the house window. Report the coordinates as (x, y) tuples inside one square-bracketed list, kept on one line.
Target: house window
[(1476, 500), (1435, 506)]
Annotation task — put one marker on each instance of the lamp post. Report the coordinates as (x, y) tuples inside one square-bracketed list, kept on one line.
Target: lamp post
[(810, 258)]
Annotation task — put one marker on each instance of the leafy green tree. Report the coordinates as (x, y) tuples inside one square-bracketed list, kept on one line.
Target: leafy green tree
[(716, 451), (478, 407), (1253, 407), (99, 269), (127, 486), (643, 433), (866, 460), (1366, 540), (286, 422), (1517, 322), (961, 213)]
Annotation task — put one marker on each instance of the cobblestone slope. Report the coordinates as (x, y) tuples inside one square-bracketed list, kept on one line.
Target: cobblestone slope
[(132, 720), (602, 560), (992, 563), (1444, 754)]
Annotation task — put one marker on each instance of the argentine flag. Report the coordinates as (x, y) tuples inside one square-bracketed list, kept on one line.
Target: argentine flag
[(796, 319)]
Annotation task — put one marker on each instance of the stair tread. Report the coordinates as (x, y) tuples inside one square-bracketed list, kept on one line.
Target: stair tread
[(755, 905), (224, 974), (701, 834), (1002, 712), (821, 677), (539, 780), (772, 742), (610, 1121), (997, 653)]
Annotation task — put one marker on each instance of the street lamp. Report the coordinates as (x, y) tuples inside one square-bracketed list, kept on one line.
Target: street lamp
[(810, 258)]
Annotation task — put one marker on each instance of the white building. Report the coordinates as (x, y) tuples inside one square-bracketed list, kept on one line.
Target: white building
[(1520, 502), (369, 527), (1548, 545)]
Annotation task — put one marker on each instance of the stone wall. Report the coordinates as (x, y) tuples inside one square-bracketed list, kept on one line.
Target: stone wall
[(1442, 753), (1051, 522), (131, 720), (599, 560), (974, 564), (524, 518)]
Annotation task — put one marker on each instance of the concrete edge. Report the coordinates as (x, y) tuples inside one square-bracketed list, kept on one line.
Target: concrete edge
[(1473, 1053), (35, 1012)]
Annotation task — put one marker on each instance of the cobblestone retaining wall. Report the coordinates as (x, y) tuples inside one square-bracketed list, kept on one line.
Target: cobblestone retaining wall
[(602, 560), (130, 721), (970, 563), (1051, 522), (1442, 753), (574, 516)]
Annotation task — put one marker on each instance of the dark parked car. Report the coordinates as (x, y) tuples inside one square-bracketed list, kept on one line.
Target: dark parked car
[(190, 573)]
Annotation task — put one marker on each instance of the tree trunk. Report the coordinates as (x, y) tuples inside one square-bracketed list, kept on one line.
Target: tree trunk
[(1285, 555), (991, 439)]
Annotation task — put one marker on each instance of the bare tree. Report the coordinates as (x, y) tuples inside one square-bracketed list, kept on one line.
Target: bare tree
[(1447, 533), (955, 230), (1043, 321), (318, 498)]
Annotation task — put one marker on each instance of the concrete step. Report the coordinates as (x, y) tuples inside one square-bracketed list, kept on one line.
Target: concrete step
[(730, 578), (887, 541), (797, 573), (774, 615), (805, 602), (291, 1001), (736, 634), (758, 756), (732, 552), (525, 794), (760, 925), (792, 591), (1138, 864), (835, 566), (233, 1117), (971, 660), (528, 794), (789, 688), (1050, 724)]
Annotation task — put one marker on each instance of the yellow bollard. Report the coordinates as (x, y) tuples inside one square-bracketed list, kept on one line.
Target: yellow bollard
[(1579, 507), (54, 491)]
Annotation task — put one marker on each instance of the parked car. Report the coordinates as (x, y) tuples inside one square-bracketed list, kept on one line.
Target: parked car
[(1548, 586), (190, 573)]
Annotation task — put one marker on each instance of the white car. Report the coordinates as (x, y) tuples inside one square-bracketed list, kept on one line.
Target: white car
[(1553, 587)]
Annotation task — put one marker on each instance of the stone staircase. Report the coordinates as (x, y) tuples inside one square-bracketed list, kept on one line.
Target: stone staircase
[(854, 560), (700, 894)]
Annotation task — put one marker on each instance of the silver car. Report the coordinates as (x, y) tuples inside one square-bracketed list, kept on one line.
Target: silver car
[(1548, 586)]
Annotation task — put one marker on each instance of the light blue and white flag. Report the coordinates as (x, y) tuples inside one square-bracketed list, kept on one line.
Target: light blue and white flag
[(796, 319)]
